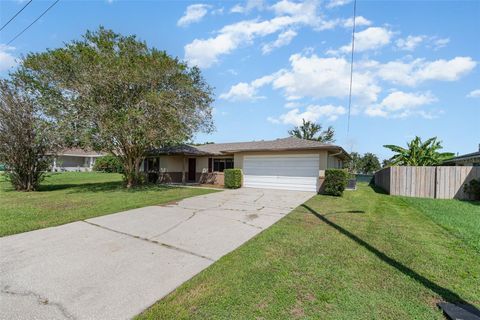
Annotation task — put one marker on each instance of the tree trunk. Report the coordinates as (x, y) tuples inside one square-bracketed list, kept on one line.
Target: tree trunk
[(132, 171)]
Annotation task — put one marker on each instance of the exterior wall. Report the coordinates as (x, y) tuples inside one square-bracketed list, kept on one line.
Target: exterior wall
[(202, 165), (173, 163), (334, 162), (73, 163)]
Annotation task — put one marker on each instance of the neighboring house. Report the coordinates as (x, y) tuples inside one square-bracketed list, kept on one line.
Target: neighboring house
[(290, 163), (75, 160), (469, 159)]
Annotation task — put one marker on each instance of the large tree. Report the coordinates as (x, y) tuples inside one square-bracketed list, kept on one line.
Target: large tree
[(419, 153), (116, 94), (27, 137), (369, 163), (313, 131)]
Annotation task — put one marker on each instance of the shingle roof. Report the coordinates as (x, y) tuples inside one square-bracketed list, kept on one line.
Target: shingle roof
[(284, 144), (183, 149), (464, 157), (80, 152)]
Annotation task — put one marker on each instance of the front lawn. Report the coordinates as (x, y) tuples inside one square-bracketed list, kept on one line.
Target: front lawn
[(461, 218), (73, 196), (364, 256)]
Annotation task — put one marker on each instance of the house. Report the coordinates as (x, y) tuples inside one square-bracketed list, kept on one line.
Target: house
[(75, 159), (289, 163), (469, 159)]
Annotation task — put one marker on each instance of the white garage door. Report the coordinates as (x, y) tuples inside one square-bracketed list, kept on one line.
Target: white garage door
[(289, 172)]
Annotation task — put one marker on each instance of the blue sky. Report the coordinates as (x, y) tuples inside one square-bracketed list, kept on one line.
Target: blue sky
[(273, 63)]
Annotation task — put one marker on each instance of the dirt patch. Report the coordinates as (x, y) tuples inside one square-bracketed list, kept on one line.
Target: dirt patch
[(297, 311)]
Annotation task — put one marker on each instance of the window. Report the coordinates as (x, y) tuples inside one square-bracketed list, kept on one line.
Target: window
[(221, 164)]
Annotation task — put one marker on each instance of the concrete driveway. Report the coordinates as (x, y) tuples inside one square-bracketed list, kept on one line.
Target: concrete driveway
[(115, 266)]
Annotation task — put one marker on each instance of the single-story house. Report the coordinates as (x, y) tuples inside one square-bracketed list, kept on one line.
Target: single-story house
[(75, 159), (289, 163), (469, 159)]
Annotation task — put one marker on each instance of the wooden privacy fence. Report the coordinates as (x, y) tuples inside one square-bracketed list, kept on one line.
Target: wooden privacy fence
[(426, 182)]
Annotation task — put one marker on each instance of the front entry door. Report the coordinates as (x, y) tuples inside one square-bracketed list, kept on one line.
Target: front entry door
[(192, 168)]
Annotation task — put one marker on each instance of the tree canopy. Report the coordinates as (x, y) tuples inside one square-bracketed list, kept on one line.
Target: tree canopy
[(419, 153), (313, 131), (114, 93), (27, 137), (368, 163)]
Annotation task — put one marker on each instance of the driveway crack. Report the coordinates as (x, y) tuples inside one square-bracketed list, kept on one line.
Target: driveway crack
[(40, 300), (165, 245)]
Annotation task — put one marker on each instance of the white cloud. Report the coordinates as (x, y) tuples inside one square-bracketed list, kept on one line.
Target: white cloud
[(312, 113), (206, 52), (317, 77), (247, 91), (293, 104), (474, 94), (440, 43), (337, 3), (369, 39), (283, 39), (359, 21), (399, 100), (419, 70), (194, 13), (409, 43), (7, 60), (249, 6), (399, 104)]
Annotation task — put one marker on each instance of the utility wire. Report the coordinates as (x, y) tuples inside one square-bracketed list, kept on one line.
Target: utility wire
[(43, 13), (351, 66), (16, 14)]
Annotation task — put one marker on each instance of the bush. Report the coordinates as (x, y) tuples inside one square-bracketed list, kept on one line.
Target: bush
[(233, 178), (108, 163), (472, 189), (335, 181)]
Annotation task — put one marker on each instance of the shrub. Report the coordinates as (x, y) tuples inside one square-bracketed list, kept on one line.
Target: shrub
[(108, 163), (335, 181), (233, 178), (472, 189)]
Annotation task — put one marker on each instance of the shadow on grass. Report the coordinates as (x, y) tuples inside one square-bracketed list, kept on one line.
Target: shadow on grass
[(377, 189), (446, 294), (100, 187)]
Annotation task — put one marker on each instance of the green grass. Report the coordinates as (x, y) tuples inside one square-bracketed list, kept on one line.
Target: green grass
[(462, 218), (363, 256), (73, 196)]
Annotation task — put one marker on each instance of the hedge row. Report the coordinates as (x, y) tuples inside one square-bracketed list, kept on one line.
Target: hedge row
[(108, 163)]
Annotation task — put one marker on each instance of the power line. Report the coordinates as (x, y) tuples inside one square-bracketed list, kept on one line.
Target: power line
[(16, 14), (43, 13), (351, 65)]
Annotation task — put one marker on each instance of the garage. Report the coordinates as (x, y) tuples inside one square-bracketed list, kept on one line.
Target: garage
[(281, 171)]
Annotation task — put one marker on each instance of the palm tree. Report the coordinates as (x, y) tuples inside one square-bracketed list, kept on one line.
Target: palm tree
[(313, 131), (419, 153)]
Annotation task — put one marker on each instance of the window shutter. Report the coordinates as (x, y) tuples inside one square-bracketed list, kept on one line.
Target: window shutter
[(210, 164)]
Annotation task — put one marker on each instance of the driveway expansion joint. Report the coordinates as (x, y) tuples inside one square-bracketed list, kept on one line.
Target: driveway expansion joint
[(165, 245)]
